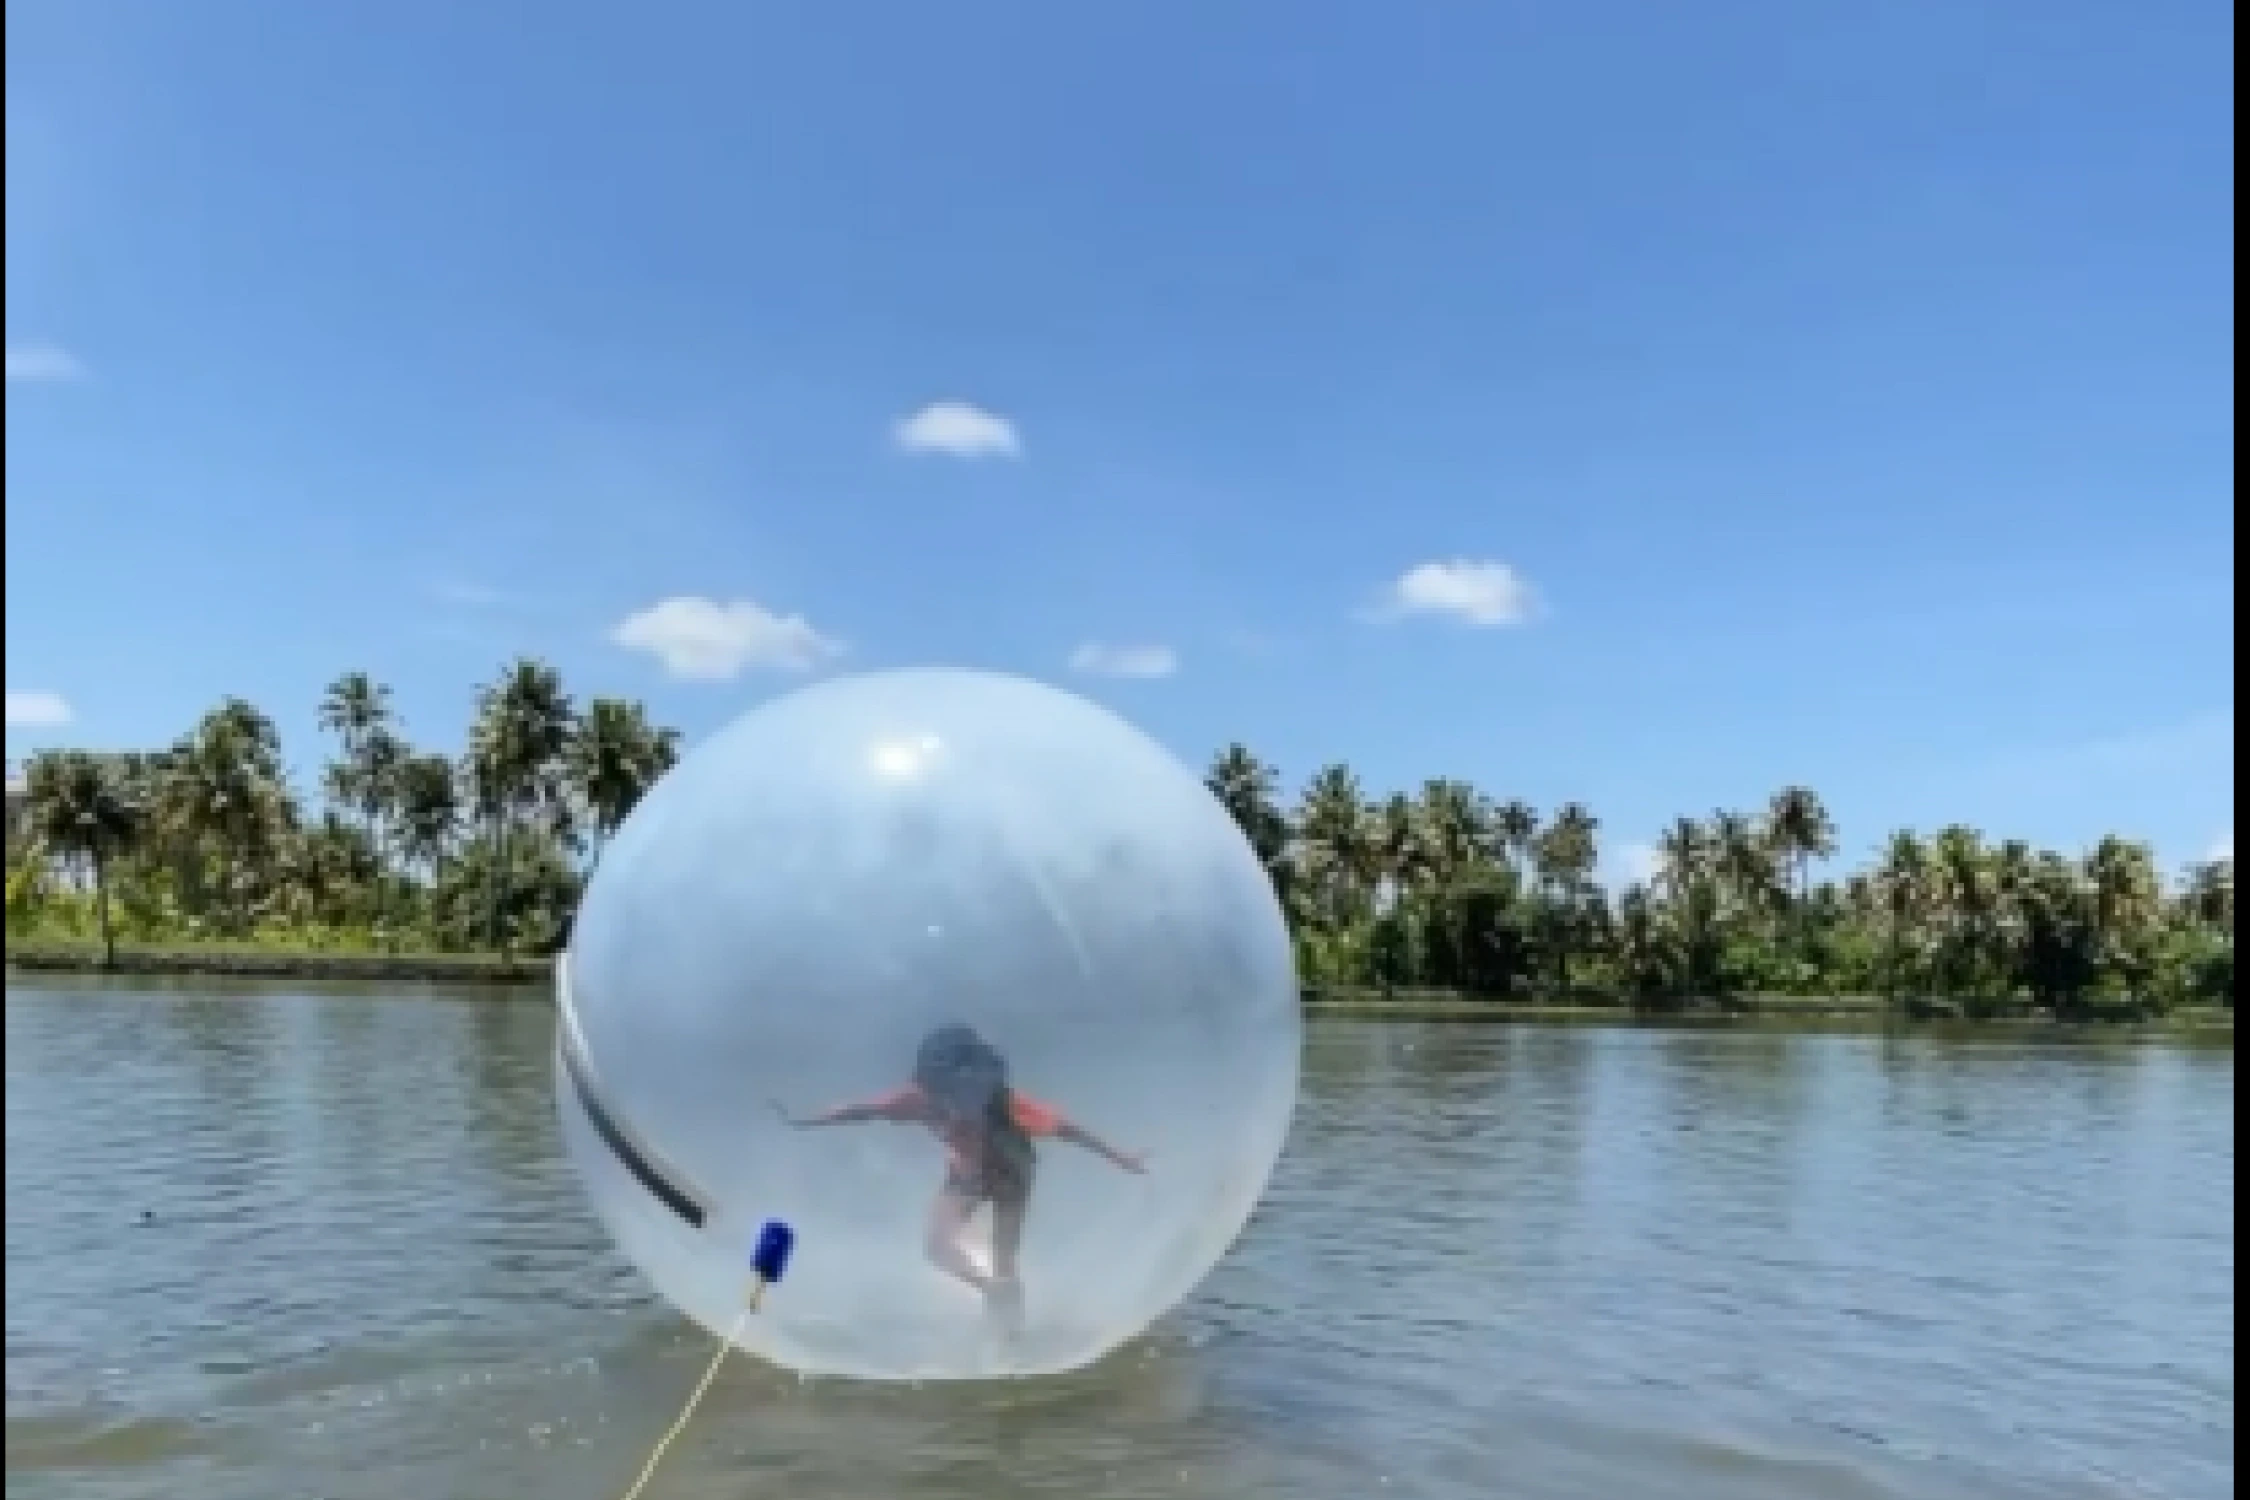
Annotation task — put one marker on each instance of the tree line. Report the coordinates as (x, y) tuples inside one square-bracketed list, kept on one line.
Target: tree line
[(1443, 887), (404, 848), (1449, 888)]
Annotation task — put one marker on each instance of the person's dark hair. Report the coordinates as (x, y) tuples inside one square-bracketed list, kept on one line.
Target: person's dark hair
[(961, 1071), (946, 1053)]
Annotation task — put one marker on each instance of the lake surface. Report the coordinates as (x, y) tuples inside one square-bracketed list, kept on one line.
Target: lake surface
[(1496, 1264)]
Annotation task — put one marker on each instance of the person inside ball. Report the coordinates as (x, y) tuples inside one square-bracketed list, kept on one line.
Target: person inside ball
[(959, 1092)]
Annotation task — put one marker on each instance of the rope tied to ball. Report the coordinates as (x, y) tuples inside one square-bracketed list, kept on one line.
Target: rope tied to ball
[(769, 1262)]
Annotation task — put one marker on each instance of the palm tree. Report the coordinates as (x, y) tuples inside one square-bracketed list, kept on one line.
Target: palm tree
[(1683, 854), (1902, 882), (1336, 847), (1402, 859), (1801, 830), (1644, 960), (331, 868), (1743, 862), (1456, 826), (1565, 856), (1249, 789), (428, 810), (615, 756), (2009, 869), (2125, 887), (2061, 946), (517, 764), (1964, 905), (1567, 852), (223, 790), (2207, 894), (1515, 831), (2127, 902), (357, 710), (78, 809)]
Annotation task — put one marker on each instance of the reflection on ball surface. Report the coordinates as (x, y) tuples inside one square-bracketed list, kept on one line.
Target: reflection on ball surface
[(1002, 945)]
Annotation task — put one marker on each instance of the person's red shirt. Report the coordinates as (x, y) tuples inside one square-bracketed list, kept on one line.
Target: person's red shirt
[(966, 1139)]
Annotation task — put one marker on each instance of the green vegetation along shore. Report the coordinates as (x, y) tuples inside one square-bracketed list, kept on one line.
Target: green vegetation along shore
[(530, 976), (420, 865), (248, 961)]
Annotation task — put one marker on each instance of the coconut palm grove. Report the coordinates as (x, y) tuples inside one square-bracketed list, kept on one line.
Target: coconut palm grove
[(1444, 887)]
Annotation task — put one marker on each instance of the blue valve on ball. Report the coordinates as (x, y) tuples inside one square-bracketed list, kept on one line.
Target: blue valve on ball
[(769, 1258)]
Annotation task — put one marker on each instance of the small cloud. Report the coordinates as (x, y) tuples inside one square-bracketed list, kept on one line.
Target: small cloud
[(2222, 847), (37, 710), (704, 640), (1097, 660), (42, 364), (1482, 594), (955, 429), (1631, 864)]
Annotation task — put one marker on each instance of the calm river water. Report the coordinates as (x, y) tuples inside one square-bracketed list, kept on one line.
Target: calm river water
[(1497, 1264)]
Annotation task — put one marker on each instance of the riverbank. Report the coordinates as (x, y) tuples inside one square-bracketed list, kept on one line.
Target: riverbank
[(1442, 1005), (1849, 1011), (530, 971), (249, 962)]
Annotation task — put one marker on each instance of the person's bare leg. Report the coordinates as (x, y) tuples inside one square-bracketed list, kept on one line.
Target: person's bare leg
[(1007, 1236), (949, 1220), (1005, 1294)]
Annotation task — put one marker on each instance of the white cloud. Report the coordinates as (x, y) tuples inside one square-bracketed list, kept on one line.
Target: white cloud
[(1483, 594), (955, 429), (37, 709), (705, 640), (42, 364), (2222, 847), (1098, 660), (1631, 864)]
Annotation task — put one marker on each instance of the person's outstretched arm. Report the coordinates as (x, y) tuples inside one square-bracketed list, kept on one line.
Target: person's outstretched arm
[(1038, 1119), (1079, 1136), (886, 1108)]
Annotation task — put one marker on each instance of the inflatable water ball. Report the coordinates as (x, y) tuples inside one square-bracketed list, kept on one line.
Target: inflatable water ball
[(964, 979)]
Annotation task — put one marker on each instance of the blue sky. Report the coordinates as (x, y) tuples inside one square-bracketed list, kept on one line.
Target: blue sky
[(1643, 404)]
